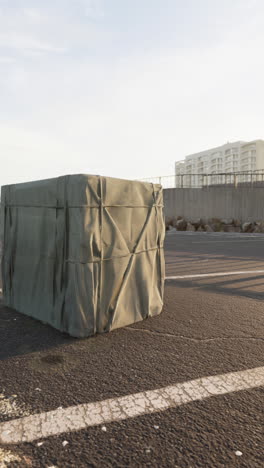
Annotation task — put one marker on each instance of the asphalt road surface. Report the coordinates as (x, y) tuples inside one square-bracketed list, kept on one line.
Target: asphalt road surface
[(204, 354)]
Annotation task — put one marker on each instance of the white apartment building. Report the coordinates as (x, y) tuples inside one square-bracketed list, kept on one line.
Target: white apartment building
[(239, 156)]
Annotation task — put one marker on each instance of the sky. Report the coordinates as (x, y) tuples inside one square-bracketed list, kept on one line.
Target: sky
[(124, 88)]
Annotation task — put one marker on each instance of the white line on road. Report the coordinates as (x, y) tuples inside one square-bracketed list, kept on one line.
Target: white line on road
[(74, 418), (205, 275), (225, 241), (234, 235)]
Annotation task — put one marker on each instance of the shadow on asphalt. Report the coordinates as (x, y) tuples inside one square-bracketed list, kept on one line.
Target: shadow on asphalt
[(225, 286), (20, 334)]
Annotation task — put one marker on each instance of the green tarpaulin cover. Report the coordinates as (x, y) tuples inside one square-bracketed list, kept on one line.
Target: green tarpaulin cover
[(83, 253)]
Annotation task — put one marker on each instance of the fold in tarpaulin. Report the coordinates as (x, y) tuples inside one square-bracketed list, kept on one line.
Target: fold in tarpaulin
[(83, 253)]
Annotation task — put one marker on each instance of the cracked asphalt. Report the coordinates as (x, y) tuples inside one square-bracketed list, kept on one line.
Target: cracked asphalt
[(209, 326)]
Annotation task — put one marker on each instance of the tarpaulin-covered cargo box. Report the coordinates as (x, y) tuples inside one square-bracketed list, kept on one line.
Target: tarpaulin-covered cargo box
[(83, 253)]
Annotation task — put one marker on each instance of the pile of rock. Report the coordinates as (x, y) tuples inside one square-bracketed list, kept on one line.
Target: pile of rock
[(213, 225)]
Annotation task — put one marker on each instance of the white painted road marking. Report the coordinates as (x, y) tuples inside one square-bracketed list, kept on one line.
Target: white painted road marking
[(210, 235), (78, 417), (227, 273), (230, 241)]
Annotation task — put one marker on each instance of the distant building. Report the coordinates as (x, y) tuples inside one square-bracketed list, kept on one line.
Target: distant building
[(239, 156)]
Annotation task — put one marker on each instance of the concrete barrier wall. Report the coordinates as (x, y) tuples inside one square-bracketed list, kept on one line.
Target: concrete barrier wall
[(243, 203)]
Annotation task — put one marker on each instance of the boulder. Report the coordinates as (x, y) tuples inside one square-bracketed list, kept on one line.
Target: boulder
[(214, 227), (168, 221), (175, 220), (237, 223), (227, 221), (217, 227), (197, 223), (181, 224), (208, 228), (248, 227), (231, 228), (259, 228), (214, 221), (190, 227), (200, 229)]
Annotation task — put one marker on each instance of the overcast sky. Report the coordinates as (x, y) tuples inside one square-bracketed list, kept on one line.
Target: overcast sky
[(125, 87)]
